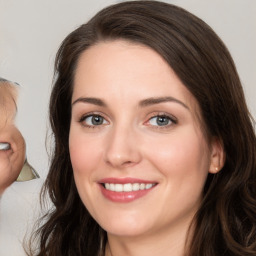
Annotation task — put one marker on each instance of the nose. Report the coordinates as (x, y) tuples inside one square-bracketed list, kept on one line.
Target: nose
[(122, 148)]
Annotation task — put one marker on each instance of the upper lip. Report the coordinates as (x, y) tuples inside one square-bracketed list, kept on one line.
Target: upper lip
[(125, 180)]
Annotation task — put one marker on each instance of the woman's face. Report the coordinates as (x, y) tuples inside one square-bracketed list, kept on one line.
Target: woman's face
[(139, 156)]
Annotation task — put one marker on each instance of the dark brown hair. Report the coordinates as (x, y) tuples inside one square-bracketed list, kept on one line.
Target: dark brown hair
[(225, 223)]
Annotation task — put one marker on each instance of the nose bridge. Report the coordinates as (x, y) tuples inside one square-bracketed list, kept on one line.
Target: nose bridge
[(122, 149)]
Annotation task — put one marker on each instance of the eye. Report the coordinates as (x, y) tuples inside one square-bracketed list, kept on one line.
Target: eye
[(93, 120), (161, 120)]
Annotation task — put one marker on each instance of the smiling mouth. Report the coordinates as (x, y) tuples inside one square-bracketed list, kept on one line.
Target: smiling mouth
[(5, 146), (127, 187)]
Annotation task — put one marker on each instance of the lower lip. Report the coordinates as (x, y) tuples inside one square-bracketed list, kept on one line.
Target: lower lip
[(124, 197)]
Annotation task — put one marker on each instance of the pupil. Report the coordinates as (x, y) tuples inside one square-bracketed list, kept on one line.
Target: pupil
[(161, 120), (96, 120)]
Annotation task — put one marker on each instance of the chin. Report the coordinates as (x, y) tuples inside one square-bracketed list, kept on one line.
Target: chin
[(125, 226), (124, 231)]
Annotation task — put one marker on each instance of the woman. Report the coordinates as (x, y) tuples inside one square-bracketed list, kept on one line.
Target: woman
[(154, 145)]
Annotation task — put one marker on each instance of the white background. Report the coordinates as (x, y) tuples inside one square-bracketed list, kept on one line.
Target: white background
[(32, 30)]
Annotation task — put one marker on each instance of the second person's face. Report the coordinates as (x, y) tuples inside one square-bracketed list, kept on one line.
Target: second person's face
[(139, 156), (11, 159)]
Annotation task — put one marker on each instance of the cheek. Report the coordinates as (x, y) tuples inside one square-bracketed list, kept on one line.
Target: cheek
[(183, 162), (17, 157), (181, 154), (84, 157), (84, 154)]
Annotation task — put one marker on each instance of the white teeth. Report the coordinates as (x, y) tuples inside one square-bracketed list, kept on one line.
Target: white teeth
[(4, 146), (118, 187), (112, 187), (128, 187), (142, 186), (148, 186), (136, 187)]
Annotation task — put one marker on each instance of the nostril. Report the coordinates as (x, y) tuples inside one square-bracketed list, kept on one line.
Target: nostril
[(127, 163)]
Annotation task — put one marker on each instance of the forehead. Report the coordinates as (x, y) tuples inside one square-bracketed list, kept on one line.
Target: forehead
[(123, 73), (123, 65)]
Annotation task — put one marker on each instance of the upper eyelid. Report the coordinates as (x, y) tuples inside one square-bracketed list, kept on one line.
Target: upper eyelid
[(156, 114), (93, 113), (171, 118), (83, 117)]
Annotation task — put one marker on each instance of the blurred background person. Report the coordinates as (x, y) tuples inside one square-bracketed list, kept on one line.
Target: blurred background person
[(18, 199), (12, 144)]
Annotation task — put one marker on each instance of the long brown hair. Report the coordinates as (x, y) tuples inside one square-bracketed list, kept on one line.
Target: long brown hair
[(225, 223)]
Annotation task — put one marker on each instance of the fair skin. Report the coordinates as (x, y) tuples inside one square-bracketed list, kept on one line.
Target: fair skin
[(12, 158), (135, 124)]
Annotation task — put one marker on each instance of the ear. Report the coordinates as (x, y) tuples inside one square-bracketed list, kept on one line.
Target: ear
[(217, 156)]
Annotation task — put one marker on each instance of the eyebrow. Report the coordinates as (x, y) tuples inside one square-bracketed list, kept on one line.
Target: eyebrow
[(153, 101), (94, 101), (143, 103)]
